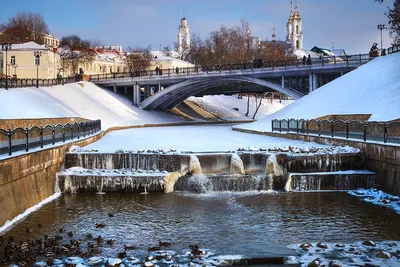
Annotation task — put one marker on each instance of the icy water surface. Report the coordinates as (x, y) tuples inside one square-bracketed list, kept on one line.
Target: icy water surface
[(250, 224)]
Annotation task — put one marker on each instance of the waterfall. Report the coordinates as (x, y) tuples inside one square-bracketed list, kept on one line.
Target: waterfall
[(237, 166), (274, 172), (69, 186), (170, 181), (194, 165), (335, 181)]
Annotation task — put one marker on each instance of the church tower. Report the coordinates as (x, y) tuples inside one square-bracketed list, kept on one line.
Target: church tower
[(183, 36), (295, 28)]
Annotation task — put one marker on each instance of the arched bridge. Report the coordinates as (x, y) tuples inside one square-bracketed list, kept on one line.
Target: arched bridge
[(151, 90), (175, 94)]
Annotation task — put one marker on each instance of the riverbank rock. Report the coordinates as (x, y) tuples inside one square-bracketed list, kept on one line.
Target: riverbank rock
[(322, 245), (369, 243), (306, 246), (383, 255), (315, 263), (334, 264)]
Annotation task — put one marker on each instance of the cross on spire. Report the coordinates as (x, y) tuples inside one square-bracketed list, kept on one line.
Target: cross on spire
[(291, 7)]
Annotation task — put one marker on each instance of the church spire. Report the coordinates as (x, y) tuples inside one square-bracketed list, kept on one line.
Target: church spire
[(291, 7), (296, 7)]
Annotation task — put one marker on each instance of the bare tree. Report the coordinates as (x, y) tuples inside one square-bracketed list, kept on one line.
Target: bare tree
[(76, 51), (25, 26), (394, 20), (139, 59)]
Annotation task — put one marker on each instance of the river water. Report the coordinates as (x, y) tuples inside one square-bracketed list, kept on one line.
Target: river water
[(253, 224)]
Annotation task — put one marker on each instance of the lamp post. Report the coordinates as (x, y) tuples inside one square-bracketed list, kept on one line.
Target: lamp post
[(37, 55), (6, 47), (15, 66), (381, 27)]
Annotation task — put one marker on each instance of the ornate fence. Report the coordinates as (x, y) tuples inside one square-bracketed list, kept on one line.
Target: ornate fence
[(13, 83), (386, 132), (20, 139)]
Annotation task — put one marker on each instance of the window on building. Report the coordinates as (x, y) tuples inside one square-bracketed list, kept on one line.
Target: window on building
[(297, 29), (12, 60), (118, 69), (1, 63), (297, 44), (110, 69)]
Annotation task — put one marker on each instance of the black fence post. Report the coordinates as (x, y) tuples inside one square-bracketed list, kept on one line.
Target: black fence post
[(307, 125), (297, 126), (365, 131), (9, 142), (272, 124), (280, 126), (385, 133), (347, 130), (72, 132), (53, 135), (319, 128), (332, 126), (26, 139), (63, 133), (84, 129), (41, 136), (78, 131)]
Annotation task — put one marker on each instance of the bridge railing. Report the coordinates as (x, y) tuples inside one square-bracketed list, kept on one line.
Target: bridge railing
[(394, 49), (20, 139), (386, 132), (29, 82), (346, 60)]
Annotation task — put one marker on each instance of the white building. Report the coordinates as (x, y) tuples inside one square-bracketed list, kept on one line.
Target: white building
[(295, 30), (183, 36)]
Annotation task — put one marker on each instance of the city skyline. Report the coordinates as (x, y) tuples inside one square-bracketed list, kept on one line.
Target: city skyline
[(352, 26)]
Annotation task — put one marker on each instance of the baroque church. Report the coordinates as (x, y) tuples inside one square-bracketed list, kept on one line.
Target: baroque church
[(294, 28), (294, 38)]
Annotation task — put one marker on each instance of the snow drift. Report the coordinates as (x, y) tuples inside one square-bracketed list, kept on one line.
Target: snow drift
[(373, 88)]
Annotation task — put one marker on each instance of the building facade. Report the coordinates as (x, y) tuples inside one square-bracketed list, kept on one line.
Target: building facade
[(21, 62)]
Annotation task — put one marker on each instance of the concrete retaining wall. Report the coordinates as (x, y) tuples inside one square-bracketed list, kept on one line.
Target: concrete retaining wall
[(383, 159)]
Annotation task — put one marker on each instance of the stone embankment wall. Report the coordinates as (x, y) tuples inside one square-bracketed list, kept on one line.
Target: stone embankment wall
[(383, 159)]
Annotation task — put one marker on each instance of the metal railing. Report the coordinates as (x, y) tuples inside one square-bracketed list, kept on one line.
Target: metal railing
[(394, 49), (386, 132), (268, 65), (20, 139), (27, 82)]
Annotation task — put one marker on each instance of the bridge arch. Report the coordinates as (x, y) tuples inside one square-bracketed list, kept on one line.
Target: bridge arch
[(175, 94)]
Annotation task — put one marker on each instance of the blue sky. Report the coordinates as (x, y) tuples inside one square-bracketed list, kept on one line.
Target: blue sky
[(349, 24)]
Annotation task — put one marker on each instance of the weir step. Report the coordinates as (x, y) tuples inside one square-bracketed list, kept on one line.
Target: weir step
[(330, 181)]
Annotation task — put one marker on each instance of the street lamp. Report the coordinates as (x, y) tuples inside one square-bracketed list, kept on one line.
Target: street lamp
[(6, 47), (381, 27), (15, 66), (37, 55)]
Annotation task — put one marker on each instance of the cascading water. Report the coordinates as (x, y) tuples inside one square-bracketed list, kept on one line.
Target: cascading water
[(241, 171), (198, 182), (237, 166)]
